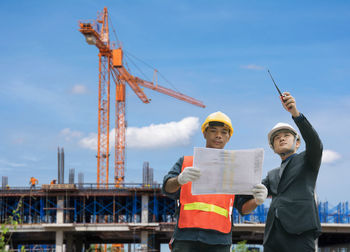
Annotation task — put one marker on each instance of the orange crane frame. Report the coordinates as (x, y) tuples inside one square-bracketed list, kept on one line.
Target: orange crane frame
[(111, 64)]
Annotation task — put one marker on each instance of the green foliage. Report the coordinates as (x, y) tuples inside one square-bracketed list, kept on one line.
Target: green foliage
[(242, 247), (12, 221)]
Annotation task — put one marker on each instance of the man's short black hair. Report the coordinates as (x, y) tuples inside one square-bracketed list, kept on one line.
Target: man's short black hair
[(215, 123)]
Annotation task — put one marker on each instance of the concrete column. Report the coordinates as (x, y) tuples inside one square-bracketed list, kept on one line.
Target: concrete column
[(60, 212), (144, 209), (144, 219), (59, 220), (144, 240), (59, 241)]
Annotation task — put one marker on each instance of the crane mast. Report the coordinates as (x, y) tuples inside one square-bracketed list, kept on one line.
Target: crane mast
[(96, 33), (119, 149), (103, 120)]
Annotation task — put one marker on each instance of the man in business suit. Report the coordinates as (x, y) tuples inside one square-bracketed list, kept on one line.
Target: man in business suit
[(292, 222)]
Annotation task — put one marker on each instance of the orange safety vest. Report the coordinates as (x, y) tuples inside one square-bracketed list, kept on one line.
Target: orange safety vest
[(210, 211), (33, 181)]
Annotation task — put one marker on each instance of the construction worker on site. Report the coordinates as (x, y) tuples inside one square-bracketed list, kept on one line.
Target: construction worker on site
[(292, 222), (204, 222), (33, 181)]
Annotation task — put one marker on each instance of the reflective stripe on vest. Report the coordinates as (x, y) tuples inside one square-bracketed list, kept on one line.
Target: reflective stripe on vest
[(206, 207), (209, 211)]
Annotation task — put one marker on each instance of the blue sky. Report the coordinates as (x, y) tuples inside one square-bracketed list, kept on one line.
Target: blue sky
[(215, 51)]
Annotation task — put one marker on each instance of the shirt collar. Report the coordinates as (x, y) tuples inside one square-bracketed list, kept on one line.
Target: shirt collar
[(288, 158)]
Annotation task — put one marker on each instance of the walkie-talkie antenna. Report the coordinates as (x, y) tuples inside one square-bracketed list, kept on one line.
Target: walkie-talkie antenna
[(279, 91)]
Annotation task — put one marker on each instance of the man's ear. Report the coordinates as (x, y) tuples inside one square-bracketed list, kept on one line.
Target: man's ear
[(297, 144), (205, 134)]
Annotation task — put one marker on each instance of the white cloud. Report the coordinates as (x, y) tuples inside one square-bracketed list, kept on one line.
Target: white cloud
[(79, 89), (69, 134), (253, 67), (153, 136), (30, 158), (89, 142), (11, 164), (25, 92), (330, 156), (162, 135)]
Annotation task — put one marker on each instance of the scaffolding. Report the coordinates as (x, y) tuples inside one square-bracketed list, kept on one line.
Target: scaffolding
[(336, 214), (121, 205), (131, 213), (87, 205)]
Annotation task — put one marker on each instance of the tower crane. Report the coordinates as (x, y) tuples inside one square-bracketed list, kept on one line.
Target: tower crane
[(111, 66)]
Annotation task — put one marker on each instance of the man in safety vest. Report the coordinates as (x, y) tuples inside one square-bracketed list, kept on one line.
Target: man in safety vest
[(204, 222), (292, 222), (33, 181)]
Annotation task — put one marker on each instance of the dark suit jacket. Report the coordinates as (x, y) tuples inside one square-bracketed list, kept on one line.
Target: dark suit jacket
[(293, 199)]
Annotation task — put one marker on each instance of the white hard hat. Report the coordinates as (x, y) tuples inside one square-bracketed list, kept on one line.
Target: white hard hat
[(281, 126)]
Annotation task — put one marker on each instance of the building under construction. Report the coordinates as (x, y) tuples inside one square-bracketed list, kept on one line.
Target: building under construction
[(76, 217)]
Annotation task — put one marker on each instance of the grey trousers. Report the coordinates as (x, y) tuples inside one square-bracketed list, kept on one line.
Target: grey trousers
[(193, 246), (281, 241)]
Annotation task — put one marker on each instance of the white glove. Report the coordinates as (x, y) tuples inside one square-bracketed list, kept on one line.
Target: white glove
[(259, 193), (188, 174)]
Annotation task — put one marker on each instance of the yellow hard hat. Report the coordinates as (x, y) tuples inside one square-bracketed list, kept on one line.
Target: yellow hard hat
[(218, 117)]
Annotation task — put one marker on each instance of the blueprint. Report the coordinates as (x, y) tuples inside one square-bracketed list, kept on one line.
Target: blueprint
[(227, 171)]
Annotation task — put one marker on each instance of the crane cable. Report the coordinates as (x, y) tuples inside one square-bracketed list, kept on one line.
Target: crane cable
[(115, 34), (153, 68), (145, 76), (128, 53)]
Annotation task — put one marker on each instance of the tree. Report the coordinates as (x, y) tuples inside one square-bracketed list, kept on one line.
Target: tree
[(13, 220)]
